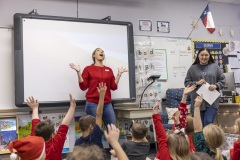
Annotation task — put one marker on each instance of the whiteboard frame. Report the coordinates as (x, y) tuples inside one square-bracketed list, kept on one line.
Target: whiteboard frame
[(18, 58)]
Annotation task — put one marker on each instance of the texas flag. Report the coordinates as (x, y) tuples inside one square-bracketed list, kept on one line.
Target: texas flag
[(208, 20)]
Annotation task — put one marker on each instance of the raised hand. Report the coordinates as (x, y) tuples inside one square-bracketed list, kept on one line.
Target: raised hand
[(32, 103), (112, 135), (72, 101), (121, 70), (155, 107), (198, 101), (75, 67), (189, 89), (102, 89)]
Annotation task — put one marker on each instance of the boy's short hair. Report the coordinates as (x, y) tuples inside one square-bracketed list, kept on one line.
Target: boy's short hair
[(45, 129), (86, 121), (139, 131)]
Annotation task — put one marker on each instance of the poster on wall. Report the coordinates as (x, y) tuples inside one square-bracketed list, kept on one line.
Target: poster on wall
[(145, 25), (160, 63), (8, 132), (163, 26)]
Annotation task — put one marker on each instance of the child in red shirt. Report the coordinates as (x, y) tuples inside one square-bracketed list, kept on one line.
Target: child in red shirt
[(182, 120), (235, 151), (54, 142), (173, 146)]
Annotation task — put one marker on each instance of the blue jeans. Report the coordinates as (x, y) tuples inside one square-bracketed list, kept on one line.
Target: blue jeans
[(208, 115), (108, 112)]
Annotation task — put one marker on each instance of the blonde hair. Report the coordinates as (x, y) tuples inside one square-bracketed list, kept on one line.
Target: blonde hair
[(237, 122), (93, 53), (214, 137), (178, 146), (189, 125), (86, 152), (200, 156)]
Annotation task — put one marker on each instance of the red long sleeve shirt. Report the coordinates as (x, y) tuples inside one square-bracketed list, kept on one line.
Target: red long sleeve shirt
[(55, 145), (182, 108), (235, 152), (92, 76), (163, 151)]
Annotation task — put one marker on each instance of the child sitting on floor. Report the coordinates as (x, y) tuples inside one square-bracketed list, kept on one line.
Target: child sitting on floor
[(175, 146), (137, 149), (93, 152), (91, 126), (54, 142), (209, 138), (182, 120), (28, 148)]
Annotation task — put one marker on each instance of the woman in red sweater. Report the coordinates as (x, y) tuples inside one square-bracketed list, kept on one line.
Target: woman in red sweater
[(90, 78)]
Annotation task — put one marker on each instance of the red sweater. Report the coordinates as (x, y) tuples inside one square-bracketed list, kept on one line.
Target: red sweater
[(163, 151), (92, 76), (182, 108), (235, 152), (55, 145)]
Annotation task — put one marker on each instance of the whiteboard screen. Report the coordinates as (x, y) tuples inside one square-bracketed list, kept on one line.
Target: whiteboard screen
[(44, 47)]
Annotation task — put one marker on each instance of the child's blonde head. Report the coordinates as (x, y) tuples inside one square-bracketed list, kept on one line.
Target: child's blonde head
[(237, 126), (178, 146), (214, 137), (200, 156), (86, 152), (189, 125)]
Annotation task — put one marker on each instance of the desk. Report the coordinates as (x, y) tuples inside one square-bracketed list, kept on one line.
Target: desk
[(135, 113), (227, 114)]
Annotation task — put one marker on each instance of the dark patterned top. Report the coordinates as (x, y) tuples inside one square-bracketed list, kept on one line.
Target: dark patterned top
[(201, 146)]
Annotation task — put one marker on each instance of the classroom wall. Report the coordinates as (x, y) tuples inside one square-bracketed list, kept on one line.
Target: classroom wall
[(180, 14)]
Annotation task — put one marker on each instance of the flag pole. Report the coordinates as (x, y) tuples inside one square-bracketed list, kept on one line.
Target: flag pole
[(196, 23)]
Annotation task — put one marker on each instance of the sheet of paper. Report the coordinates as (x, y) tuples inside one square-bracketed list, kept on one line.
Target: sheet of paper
[(208, 96)]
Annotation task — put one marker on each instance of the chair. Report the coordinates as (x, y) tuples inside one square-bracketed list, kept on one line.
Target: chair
[(173, 99)]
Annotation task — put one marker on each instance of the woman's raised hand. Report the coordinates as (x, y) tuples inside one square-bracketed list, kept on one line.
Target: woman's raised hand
[(75, 67), (122, 70)]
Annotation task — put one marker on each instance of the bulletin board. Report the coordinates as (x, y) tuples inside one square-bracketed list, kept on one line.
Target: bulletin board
[(172, 68), (219, 49)]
